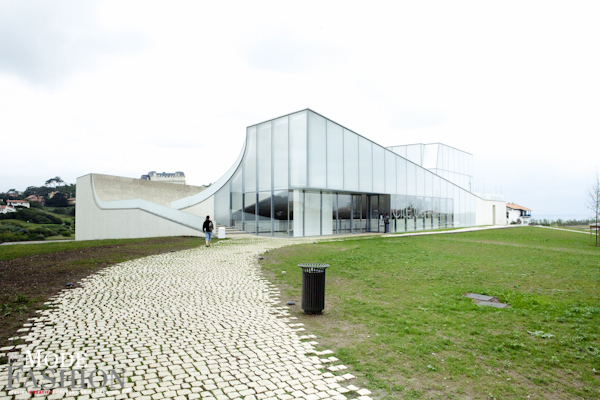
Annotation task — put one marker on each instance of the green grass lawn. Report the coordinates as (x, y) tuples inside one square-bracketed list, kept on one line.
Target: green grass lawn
[(396, 314), (8, 252)]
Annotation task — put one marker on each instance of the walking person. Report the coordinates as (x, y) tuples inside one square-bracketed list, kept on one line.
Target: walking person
[(207, 228), (386, 223)]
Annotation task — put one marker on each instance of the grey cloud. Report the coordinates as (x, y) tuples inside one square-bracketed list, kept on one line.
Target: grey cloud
[(44, 42)]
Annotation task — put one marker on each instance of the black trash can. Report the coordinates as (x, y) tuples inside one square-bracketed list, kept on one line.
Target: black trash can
[(313, 287)]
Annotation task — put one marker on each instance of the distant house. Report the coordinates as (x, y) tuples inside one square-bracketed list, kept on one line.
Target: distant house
[(71, 201), (6, 209), (51, 194), (176, 177), (18, 203), (37, 199), (516, 214)]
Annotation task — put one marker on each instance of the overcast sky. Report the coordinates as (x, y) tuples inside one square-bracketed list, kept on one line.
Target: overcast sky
[(123, 88)]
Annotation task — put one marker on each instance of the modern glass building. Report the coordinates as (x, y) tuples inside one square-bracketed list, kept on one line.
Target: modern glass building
[(298, 175), (305, 175)]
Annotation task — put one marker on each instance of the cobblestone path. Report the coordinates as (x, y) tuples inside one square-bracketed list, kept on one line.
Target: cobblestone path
[(200, 323)]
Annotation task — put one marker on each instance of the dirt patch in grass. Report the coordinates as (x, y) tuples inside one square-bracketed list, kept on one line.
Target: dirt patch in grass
[(28, 281)]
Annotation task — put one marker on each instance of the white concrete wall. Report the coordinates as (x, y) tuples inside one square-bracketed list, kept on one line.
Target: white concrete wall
[(95, 222), (484, 212), (207, 207)]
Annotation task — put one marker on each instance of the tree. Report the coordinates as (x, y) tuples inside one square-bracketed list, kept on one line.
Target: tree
[(54, 181), (593, 201), (58, 200)]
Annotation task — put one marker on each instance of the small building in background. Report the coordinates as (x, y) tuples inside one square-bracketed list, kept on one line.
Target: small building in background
[(168, 177), (37, 199), (6, 209), (516, 214), (71, 201), (18, 203)]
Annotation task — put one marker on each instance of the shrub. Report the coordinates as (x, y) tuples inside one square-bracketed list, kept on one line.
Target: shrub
[(10, 227), (33, 216)]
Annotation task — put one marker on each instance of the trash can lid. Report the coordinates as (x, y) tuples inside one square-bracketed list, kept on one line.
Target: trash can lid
[(316, 266)]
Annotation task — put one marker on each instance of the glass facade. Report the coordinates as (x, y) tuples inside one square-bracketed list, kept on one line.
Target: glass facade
[(304, 175), (452, 164)]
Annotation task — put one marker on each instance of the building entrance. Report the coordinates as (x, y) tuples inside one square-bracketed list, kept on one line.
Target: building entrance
[(378, 206)]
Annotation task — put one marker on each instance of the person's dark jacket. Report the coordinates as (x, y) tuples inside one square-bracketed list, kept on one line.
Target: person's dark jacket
[(206, 225)]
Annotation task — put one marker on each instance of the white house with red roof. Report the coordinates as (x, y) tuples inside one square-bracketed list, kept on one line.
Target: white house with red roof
[(516, 214), (6, 209), (18, 203)]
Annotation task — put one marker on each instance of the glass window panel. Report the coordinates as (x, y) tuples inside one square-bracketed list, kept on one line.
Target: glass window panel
[(334, 213), (264, 213), (446, 158), (317, 151), (344, 213), (365, 169), (250, 161), (335, 156), (237, 200), (419, 210), (250, 212), (297, 213), (390, 172), (326, 213), (298, 136), (427, 212), (420, 182), (437, 181), (264, 156), (456, 211), (430, 156), (413, 153), (280, 153), (398, 213), (435, 215), (350, 160), (222, 206), (456, 160), (463, 208), (411, 178), (378, 169), (411, 213), (357, 217), (471, 165), (364, 211), (443, 188), (312, 213), (428, 183), (473, 210), (400, 175), (280, 212)]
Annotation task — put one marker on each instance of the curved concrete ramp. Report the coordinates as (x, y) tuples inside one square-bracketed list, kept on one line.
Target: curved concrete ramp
[(110, 207)]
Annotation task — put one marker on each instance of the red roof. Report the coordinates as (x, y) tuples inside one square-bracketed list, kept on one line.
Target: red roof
[(517, 207), (17, 201)]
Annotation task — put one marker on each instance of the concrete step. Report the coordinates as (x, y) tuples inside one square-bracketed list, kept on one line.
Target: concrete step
[(230, 231)]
